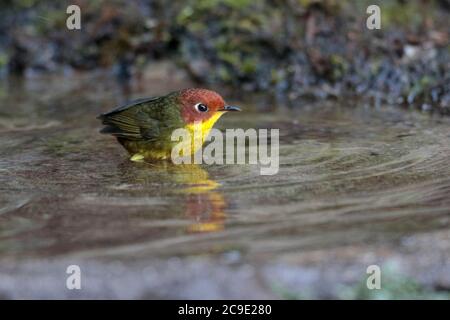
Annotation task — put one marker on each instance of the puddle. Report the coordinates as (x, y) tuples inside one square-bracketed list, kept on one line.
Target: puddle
[(349, 176)]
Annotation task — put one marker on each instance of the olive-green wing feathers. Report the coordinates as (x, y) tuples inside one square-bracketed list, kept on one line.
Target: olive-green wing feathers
[(142, 119)]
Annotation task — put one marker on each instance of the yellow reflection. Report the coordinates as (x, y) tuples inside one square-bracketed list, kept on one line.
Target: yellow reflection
[(203, 202)]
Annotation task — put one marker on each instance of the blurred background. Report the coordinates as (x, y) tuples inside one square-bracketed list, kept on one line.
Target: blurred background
[(289, 49), (364, 155)]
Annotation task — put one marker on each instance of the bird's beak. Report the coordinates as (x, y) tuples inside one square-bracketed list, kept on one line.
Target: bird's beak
[(230, 108)]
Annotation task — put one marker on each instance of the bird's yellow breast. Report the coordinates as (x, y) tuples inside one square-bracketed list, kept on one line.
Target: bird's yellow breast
[(199, 131)]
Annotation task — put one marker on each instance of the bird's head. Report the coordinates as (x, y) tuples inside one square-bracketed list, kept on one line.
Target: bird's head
[(202, 105)]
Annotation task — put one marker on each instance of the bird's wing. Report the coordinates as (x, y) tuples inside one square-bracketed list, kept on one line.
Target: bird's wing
[(133, 123), (127, 106)]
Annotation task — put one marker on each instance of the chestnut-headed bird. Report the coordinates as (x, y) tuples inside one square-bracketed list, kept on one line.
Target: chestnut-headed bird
[(144, 127)]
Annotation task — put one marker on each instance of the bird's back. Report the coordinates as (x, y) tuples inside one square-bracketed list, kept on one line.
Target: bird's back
[(145, 125)]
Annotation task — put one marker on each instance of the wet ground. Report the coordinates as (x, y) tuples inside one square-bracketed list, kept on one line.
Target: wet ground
[(357, 186)]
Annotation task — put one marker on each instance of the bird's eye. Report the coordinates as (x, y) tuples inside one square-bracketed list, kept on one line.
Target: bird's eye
[(200, 107)]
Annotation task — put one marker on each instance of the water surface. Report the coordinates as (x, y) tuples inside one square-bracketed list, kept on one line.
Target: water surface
[(350, 175)]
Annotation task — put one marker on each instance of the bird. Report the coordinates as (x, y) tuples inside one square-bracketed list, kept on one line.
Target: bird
[(144, 127)]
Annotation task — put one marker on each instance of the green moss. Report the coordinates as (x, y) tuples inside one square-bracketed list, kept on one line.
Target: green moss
[(249, 65), (395, 13), (224, 74), (3, 59), (230, 57), (340, 66)]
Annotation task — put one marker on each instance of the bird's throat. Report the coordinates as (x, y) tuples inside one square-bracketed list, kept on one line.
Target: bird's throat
[(199, 130)]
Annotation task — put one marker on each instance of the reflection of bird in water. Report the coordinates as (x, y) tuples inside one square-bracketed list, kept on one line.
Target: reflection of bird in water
[(202, 202), (207, 209)]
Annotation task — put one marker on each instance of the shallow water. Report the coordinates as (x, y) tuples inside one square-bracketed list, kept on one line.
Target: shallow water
[(349, 175)]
